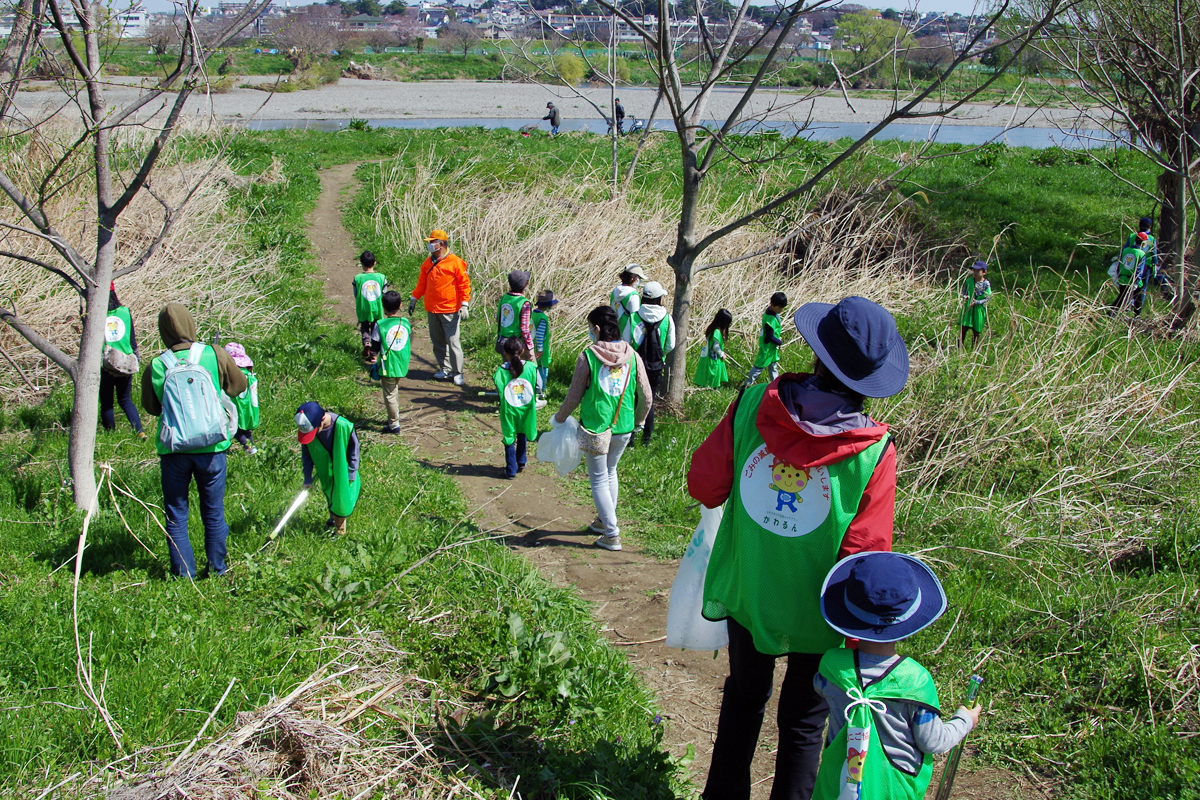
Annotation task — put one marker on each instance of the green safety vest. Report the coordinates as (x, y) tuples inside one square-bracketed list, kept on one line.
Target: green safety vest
[(605, 392), (711, 371), (117, 329), (768, 354), (639, 333), (158, 372), (855, 760), (395, 343), (1132, 259), (332, 470), (518, 414), (779, 538), (535, 319), (508, 314), (247, 402), (368, 296), (620, 304)]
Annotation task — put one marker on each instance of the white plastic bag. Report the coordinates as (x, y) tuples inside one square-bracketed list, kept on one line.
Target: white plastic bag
[(560, 446), (686, 628), (1114, 270)]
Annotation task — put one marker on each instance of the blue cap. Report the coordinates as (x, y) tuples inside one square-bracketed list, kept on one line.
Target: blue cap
[(308, 421), (881, 597)]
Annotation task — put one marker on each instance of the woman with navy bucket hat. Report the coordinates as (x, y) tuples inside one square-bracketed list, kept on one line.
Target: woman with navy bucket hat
[(885, 722), (809, 478)]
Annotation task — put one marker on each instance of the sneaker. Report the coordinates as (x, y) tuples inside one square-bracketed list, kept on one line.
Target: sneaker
[(251, 450), (441, 375), (609, 542), (391, 429), (541, 403), (458, 380), (141, 435), (597, 525)]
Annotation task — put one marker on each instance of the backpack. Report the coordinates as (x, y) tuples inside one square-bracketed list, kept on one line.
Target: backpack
[(651, 348), (119, 363), (195, 414)]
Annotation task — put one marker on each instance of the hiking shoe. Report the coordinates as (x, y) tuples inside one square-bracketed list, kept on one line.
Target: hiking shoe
[(609, 542), (458, 380), (541, 403), (441, 375), (391, 429), (597, 525)]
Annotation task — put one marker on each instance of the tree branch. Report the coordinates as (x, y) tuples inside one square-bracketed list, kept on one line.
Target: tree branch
[(44, 346)]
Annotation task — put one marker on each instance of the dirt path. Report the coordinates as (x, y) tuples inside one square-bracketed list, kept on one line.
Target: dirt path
[(456, 431)]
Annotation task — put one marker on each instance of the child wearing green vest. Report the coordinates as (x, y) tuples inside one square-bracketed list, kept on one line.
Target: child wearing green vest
[(625, 299), (976, 291), (391, 344), (885, 721), (770, 339), (1132, 269), (513, 314), (368, 296), (711, 370), (247, 401), (540, 321), (330, 453), (514, 381), (119, 334)]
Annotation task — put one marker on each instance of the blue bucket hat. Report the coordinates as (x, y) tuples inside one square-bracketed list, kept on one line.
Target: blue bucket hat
[(881, 597), (857, 340)]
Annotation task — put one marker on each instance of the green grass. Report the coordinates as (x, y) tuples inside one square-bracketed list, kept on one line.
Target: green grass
[(579, 725)]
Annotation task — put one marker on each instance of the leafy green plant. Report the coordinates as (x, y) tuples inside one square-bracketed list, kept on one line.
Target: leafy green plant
[(538, 664)]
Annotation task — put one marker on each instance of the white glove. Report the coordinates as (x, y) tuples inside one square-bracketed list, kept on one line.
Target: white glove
[(464, 312)]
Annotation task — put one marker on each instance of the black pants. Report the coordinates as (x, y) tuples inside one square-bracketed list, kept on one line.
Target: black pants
[(802, 715), (653, 376), (124, 391), (1139, 297)]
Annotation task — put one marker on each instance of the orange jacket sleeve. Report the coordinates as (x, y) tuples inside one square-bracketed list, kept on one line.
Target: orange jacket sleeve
[(462, 282), (422, 279)]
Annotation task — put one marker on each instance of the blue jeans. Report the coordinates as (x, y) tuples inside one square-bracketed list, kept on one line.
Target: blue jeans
[(514, 456), (208, 469), (554, 130), (543, 377)]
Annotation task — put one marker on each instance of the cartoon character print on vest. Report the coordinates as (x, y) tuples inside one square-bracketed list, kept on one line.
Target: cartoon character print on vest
[(371, 291), (784, 499), (397, 338), (507, 315), (612, 379), (114, 329), (518, 393)]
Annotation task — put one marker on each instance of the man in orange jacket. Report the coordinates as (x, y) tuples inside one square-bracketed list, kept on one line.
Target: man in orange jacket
[(447, 291)]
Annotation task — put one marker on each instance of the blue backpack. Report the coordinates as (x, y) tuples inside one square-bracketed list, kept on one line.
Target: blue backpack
[(193, 414)]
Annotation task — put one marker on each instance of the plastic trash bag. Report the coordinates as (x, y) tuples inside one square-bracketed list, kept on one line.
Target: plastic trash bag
[(1114, 270), (560, 446), (686, 628)]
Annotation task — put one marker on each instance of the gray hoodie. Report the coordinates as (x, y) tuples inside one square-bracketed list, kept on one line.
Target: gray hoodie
[(611, 354)]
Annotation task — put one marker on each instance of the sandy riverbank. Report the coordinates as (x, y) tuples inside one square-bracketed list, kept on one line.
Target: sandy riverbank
[(471, 99)]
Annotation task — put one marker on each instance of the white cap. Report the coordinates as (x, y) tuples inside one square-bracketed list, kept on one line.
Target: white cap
[(653, 289)]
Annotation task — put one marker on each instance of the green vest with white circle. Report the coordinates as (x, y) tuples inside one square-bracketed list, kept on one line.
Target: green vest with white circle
[(855, 764), (518, 414), (117, 329), (508, 314), (395, 343), (780, 536), (368, 296), (247, 403), (605, 392)]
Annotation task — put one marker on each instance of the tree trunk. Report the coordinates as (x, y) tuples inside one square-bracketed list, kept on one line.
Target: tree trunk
[(1168, 219), (682, 261), (81, 445)]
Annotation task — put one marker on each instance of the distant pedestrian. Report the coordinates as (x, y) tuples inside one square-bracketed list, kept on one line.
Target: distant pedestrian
[(330, 454), (369, 287), (119, 335), (444, 284), (554, 117), (193, 433), (770, 339), (513, 314), (653, 336), (247, 401), (976, 291), (540, 320), (1131, 274), (619, 113), (624, 298), (610, 388), (711, 370), (514, 381), (392, 340)]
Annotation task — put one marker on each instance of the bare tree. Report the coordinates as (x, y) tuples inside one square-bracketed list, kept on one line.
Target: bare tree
[(121, 167), (163, 34), (307, 34), (702, 146), (1138, 67), (459, 36)]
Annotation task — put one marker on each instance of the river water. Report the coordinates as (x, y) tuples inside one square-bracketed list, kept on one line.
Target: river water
[(820, 131)]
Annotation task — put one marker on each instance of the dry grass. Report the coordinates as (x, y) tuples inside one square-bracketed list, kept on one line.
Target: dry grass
[(201, 263), (315, 743)]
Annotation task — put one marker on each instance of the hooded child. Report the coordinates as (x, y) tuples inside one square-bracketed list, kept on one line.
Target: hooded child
[(885, 722), (369, 286), (711, 371), (770, 339), (247, 401), (207, 464), (513, 313), (807, 477), (391, 340), (624, 298), (514, 381), (330, 454), (653, 336), (540, 320), (976, 291)]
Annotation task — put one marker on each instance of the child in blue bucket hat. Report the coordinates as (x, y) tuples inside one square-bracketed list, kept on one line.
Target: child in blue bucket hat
[(885, 722)]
